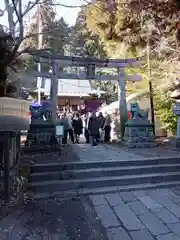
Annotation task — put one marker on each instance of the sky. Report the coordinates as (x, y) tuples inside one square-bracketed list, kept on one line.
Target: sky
[(69, 14)]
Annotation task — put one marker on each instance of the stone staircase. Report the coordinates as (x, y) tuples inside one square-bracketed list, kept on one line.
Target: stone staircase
[(76, 178)]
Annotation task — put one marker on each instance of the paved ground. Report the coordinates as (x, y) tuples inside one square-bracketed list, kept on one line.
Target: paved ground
[(87, 152), (68, 154), (149, 215), (146, 215), (73, 219)]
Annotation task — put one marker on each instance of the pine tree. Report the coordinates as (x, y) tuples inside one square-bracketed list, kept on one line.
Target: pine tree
[(85, 42), (44, 15), (55, 32), (60, 35)]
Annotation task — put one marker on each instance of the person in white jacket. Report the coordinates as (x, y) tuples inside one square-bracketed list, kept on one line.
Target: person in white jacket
[(85, 125), (70, 131)]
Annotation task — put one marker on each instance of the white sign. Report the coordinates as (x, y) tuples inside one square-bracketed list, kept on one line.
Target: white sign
[(59, 131)]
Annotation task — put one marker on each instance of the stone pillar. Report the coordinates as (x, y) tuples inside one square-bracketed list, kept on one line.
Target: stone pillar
[(176, 111), (122, 101), (54, 89)]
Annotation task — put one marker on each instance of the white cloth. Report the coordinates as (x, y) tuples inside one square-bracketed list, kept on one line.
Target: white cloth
[(113, 131), (102, 134), (84, 123), (69, 116)]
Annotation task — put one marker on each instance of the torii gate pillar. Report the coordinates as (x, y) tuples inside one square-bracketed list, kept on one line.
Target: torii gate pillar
[(122, 101), (54, 89)]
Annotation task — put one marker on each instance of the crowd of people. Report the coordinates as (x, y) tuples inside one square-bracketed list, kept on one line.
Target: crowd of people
[(95, 127)]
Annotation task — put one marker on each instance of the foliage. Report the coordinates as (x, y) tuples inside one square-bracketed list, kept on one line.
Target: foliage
[(164, 75), (163, 104), (29, 62), (85, 43), (111, 94), (60, 35), (55, 33), (13, 44), (127, 26), (129, 21), (43, 16), (7, 65), (10, 60)]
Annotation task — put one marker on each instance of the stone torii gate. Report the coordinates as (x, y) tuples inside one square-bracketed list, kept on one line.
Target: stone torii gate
[(90, 65)]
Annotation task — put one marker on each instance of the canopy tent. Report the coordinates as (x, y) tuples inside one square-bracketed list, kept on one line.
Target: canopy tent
[(115, 105)]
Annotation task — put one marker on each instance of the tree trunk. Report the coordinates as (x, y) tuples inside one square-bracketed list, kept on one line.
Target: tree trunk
[(3, 80)]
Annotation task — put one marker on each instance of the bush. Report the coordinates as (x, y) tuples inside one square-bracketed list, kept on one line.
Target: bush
[(163, 104)]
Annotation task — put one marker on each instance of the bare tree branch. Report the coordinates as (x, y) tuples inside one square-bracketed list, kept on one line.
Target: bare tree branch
[(15, 9), (20, 15), (2, 12), (21, 24), (5, 28), (10, 11), (30, 6), (42, 33), (14, 52), (25, 50), (64, 5)]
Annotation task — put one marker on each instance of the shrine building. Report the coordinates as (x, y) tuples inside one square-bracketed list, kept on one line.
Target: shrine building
[(74, 93)]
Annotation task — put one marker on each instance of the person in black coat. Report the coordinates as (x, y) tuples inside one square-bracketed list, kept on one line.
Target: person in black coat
[(77, 126), (93, 127), (102, 121)]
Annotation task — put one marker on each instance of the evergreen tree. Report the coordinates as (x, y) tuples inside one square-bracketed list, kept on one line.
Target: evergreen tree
[(55, 32), (60, 36), (85, 43), (111, 93), (78, 42), (42, 18)]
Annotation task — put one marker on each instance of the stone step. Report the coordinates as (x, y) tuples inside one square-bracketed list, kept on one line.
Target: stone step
[(100, 172), (102, 164), (90, 183), (103, 190)]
